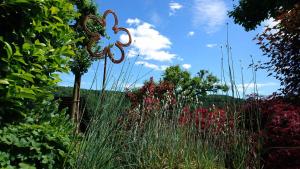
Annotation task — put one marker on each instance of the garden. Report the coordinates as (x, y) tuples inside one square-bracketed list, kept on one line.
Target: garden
[(174, 120)]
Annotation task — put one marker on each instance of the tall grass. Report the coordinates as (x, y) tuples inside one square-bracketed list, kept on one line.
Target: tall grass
[(158, 142), (114, 139)]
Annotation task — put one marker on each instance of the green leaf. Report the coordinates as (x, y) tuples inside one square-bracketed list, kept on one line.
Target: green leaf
[(8, 49), (26, 46), (4, 81), (17, 52), (21, 1), (58, 19), (38, 43), (37, 65), (26, 166), (27, 90), (25, 95), (54, 10), (25, 76), (20, 59)]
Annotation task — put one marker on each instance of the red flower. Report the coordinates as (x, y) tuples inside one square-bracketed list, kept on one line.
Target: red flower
[(208, 120)]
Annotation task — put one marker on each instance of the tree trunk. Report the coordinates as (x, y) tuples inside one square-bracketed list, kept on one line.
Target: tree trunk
[(76, 103)]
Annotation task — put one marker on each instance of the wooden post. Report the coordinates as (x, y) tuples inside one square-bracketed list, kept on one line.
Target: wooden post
[(76, 103)]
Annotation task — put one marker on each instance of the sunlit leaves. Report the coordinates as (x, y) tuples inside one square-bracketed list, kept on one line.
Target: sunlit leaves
[(36, 43)]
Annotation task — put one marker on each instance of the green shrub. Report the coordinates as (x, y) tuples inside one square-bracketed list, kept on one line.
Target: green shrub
[(35, 44), (40, 144)]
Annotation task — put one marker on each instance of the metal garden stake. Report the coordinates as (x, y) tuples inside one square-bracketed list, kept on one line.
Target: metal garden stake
[(94, 37)]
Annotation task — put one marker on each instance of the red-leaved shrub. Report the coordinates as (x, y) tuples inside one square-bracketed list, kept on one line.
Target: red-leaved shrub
[(282, 134), (150, 98), (151, 95), (205, 119), (279, 131)]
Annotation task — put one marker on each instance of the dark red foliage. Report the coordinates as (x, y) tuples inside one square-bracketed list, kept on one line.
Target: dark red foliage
[(281, 44), (280, 132), (209, 120), (151, 94)]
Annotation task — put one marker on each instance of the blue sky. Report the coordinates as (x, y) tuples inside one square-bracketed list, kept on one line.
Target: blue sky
[(188, 33)]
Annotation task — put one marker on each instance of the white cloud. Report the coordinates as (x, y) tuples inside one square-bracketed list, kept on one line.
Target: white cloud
[(211, 45), (210, 13), (132, 53), (179, 58), (191, 33), (152, 66), (174, 6), (134, 21), (271, 22), (186, 66), (148, 43), (250, 86)]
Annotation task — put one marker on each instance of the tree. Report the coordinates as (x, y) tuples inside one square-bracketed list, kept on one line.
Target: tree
[(250, 13), (192, 87), (79, 66), (82, 61), (281, 44), (206, 82), (181, 79)]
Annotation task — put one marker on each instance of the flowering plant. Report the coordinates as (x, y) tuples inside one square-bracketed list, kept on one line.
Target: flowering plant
[(151, 98), (151, 94), (205, 119)]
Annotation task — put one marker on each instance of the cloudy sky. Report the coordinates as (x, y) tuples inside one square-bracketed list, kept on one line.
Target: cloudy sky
[(190, 33)]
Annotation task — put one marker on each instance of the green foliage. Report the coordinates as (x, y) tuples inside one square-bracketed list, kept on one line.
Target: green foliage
[(205, 82), (43, 143), (36, 42), (180, 78), (220, 101), (80, 62), (39, 146), (192, 87), (32, 52), (250, 13)]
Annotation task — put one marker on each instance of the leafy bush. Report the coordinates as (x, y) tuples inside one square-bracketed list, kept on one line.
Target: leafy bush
[(35, 44), (281, 134), (276, 121), (43, 143), (39, 146), (147, 101), (212, 120), (150, 93)]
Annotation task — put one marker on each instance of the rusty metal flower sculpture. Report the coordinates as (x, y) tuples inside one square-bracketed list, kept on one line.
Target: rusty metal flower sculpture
[(94, 37)]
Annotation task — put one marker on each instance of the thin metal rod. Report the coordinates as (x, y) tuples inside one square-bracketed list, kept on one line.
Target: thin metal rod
[(104, 74)]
